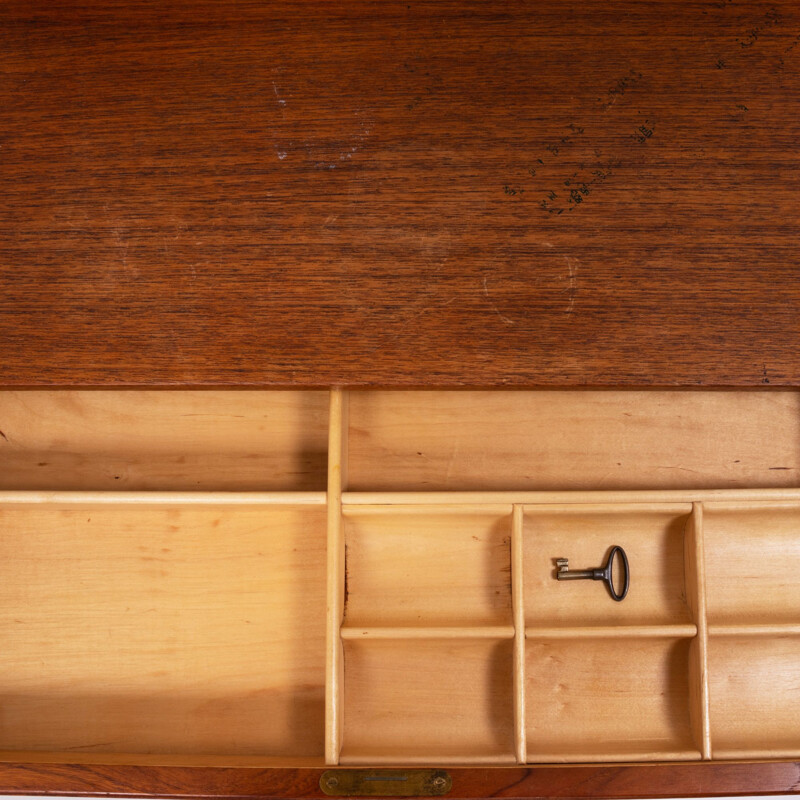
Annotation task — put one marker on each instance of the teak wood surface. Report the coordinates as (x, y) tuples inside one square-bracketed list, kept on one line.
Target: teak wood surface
[(612, 781), (399, 193)]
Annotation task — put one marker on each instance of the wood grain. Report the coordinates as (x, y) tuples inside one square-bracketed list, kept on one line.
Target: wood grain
[(120, 440), (428, 567), (673, 780), (428, 702), (736, 591), (577, 713), (540, 440), (753, 686), (429, 193), (184, 630)]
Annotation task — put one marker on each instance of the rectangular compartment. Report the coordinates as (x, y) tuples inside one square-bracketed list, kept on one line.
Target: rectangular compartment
[(754, 687), (554, 440), (428, 701), (753, 564), (606, 700), (164, 440), (418, 567), (653, 539), (194, 628)]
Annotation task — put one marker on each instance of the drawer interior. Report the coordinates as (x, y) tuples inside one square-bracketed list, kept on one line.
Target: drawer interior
[(178, 627), (164, 440), (595, 699), (369, 577)]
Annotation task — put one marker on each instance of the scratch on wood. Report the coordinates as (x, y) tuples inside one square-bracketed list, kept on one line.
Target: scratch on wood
[(496, 310), (281, 102)]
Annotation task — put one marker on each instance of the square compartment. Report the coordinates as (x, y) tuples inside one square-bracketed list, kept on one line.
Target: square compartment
[(194, 629), (608, 700), (653, 539), (427, 567), (428, 701), (754, 693), (752, 564)]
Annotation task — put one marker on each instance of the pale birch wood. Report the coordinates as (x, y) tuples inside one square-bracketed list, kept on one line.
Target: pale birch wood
[(595, 699), (755, 753), (461, 646), (753, 564), (63, 498), (694, 559), (337, 478), (546, 440), (401, 632), (163, 440), (428, 701), (753, 689), (604, 754), (187, 630), (653, 541), (750, 631), (428, 566), (518, 605), (614, 632), (161, 759), (740, 498), (397, 507)]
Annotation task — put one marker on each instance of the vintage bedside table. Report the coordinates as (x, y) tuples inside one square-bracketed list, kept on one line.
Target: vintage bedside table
[(336, 336)]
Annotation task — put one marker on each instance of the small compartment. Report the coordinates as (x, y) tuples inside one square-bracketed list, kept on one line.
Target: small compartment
[(752, 564), (186, 629), (556, 440), (653, 539), (164, 440), (606, 700), (754, 688), (410, 566), (428, 701)]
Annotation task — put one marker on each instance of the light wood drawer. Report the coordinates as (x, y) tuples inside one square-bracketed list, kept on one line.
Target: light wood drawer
[(301, 578)]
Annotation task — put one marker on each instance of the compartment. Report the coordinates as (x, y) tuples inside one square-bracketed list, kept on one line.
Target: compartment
[(755, 696), (164, 440), (189, 624), (553, 440), (606, 700), (653, 539), (753, 564), (410, 566), (171, 629), (424, 701)]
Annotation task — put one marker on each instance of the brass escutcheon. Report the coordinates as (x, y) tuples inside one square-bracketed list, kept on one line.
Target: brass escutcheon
[(385, 782)]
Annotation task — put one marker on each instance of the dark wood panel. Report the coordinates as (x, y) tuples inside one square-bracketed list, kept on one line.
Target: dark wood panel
[(675, 780), (400, 193)]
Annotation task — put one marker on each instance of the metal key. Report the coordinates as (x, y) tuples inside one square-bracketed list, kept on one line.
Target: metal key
[(604, 573)]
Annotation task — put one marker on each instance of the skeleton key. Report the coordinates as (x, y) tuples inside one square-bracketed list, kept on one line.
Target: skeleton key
[(604, 573)]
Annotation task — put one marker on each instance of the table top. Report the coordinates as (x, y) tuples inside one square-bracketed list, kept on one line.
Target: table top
[(563, 193)]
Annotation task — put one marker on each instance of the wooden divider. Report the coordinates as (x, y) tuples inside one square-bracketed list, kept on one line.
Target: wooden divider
[(518, 606), (665, 711), (337, 480), (694, 563), (155, 498), (461, 647)]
